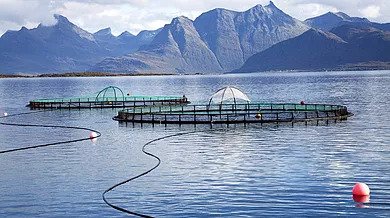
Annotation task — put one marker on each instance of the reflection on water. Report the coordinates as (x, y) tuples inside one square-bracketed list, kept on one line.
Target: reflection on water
[(361, 199), (253, 170)]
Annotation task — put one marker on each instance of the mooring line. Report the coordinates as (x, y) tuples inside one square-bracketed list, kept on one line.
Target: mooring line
[(88, 138), (144, 173), (98, 134)]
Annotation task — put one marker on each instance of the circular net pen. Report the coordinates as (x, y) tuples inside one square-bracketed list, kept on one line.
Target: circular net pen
[(109, 97), (230, 105), (233, 113)]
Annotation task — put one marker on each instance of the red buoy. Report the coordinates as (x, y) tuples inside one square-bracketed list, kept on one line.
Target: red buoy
[(360, 189)]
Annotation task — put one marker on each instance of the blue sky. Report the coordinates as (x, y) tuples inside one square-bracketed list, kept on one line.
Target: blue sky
[(136, 15)]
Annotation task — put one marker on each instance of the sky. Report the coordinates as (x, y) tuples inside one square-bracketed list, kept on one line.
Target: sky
[(137, 15)]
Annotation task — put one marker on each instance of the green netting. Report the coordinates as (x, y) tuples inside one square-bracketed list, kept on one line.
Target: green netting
[(94, 99), (232, 113), (232, 108), (108, 94)]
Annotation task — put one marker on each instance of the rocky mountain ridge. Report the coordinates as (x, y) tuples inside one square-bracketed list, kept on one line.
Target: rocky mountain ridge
[(217, 41), (63, 47), (345, 47)]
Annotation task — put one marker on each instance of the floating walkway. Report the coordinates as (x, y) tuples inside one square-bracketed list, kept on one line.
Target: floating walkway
[(110, 97), (233, 112)]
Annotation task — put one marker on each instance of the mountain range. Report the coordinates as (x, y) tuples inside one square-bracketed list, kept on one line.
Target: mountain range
[(217, 41), (260, 39), (331, 20), (343, 48), (63, 47)]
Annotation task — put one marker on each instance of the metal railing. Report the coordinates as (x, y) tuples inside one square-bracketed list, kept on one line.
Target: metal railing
[(91, 102), (253, 112)]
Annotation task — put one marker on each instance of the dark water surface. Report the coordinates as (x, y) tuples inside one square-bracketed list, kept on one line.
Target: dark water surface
[(255, 171)]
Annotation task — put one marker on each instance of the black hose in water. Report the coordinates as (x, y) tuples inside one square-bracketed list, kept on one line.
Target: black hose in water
[(88, 138), (142, 174), (44, 126)]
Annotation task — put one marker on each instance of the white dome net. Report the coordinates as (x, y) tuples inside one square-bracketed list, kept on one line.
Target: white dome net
[(229, 95)]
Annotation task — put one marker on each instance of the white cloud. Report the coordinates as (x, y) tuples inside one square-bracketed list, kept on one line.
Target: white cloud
[(303, 11), (136, 15), (377, 10), (17, 13), (371, 11)]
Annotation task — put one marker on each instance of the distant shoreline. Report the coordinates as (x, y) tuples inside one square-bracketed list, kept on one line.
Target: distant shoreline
[(101, 74), (79, 74)]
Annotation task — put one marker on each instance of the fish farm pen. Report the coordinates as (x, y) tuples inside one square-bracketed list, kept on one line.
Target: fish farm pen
[(110, 97), (232, 113), (230, 105)]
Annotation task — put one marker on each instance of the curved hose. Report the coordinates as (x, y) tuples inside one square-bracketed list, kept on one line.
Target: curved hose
[(44, 126), (83, 139), (142, 174)]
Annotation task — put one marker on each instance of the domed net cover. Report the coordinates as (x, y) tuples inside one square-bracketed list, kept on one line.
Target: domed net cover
[(111, 92), (228, 95)]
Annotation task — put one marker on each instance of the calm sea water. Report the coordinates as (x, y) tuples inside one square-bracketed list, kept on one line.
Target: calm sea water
[(255, 171)]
